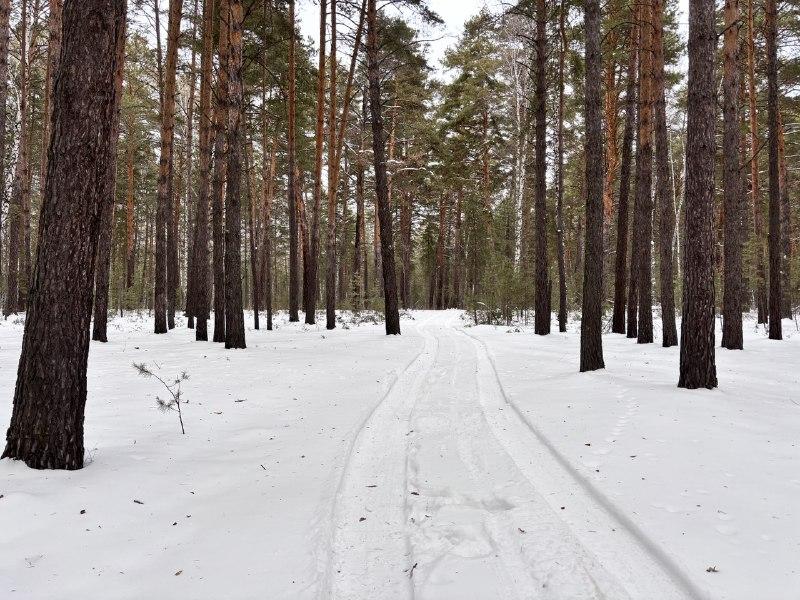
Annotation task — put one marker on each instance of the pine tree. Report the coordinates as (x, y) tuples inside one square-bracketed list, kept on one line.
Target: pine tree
[(697, 365), (46, 430), (591, 314)]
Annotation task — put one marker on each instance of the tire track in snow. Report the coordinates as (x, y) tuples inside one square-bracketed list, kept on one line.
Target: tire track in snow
[(479, 527), (641, 564), (368, 555)]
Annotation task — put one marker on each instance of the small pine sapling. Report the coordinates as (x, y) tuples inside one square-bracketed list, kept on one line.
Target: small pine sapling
[(174, 389)]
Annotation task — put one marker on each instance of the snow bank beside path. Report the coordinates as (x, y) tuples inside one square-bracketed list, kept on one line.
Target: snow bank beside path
[(239, 507), (712, 478)]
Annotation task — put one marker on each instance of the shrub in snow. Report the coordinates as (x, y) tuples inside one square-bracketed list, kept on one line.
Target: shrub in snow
[(174, 388)]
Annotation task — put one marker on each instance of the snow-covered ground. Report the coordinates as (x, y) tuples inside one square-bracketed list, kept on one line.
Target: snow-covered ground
[(452, 462)]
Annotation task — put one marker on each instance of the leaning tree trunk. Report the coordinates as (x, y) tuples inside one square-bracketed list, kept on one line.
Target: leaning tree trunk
[(643, 203), (542, 291), (732, 183), (775, 296), (620, 262), (697, 366), (392, 315), (591, 314), (200, 286), (234, 312), (46, 428), (664, 186), (164, 198)]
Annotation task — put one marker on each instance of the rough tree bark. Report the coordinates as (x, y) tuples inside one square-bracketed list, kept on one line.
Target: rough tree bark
[(5, 12), (542, 290), (46, 430), (562, 270), (732, 183), (775, 296), (103, 265), (643, 202), (291, 159), (218, 189), (234, 312), (697, 366), (591, 314), (392, 314), (333, 183)]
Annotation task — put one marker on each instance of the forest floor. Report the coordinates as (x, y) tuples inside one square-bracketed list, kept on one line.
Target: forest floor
[(452, 462)]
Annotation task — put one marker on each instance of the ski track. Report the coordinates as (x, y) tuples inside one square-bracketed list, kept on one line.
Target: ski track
[(450, 492)]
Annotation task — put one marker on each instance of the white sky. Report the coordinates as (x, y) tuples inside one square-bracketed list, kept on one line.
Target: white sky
[(454, 13)]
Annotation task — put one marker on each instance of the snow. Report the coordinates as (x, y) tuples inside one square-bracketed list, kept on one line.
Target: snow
[(450, 462)]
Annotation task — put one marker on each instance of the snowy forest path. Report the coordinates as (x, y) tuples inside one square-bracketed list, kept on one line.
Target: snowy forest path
[(449, 493)]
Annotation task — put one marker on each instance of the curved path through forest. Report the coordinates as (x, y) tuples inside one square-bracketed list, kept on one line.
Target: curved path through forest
[(449, 492)]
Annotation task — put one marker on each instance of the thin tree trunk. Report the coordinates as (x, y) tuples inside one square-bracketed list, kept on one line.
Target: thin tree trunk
[(220, 173), (333, 182), (164, 199), (758, 220), (46, 430), (786, 229), (664, 185), (732, 183), (542, 298), (562, 274), (392, 314), (294, 259), (775, 295), (189, 310), (200, 268), (130, 227), (620, 262), (311, 279), (697, 365)]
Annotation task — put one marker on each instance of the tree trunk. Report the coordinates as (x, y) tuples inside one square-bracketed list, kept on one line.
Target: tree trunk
[(294, 259), (190, 204), (758, 219), (542, 298), (732, 183), (562, 273), (220, 167), (775, 295), (333, 182), (46, 428), (130, 227), (234, 312), (164, 199), (643, 202), (591, 314), (200, 286), (664, 186), (786, 229), (697, 365), (5, 13), (392, 314), (620, 270)]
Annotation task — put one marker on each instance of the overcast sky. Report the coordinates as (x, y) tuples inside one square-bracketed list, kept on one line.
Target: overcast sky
[(454, 13)]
